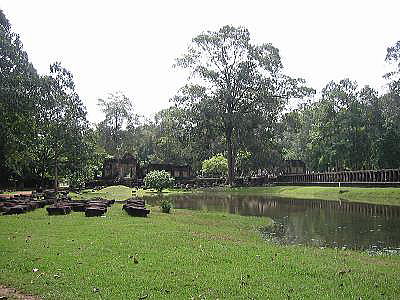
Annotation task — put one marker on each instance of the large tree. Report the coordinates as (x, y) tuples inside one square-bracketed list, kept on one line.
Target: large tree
[(235, 84), (118, 112), (393, 58), (62, 142), (19, 85), (348, 128), (42, 119)]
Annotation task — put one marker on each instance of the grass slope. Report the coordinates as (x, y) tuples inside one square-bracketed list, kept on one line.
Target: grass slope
[(183, 255), (120, 192)]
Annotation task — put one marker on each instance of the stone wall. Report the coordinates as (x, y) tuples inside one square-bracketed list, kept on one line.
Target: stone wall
[(361, 176)]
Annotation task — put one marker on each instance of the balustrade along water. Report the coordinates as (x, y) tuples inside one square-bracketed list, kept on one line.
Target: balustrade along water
[(373, 177)]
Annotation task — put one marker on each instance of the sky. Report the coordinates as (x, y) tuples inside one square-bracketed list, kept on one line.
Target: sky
[(131, 46)]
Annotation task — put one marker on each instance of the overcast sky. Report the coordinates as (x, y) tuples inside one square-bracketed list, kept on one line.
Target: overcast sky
[(131, 45)]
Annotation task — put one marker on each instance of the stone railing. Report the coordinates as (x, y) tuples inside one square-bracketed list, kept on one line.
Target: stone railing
[(361, 176)]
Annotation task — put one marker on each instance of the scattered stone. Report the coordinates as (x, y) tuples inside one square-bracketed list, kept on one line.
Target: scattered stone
[(17, 209), (137, 211), (136, 207), (58, 209), (95, 211), (39, 204), (78, 206)]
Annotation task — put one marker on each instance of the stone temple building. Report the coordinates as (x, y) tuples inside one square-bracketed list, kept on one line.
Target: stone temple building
[(125, 167), (128, 169), (294, 166), (176, 171)]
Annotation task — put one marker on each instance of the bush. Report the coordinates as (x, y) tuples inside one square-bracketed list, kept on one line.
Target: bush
[(158, 180), (165, 206), (215, 166)]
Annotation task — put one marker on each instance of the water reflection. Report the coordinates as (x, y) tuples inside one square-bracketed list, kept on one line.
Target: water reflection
[(338, 224)]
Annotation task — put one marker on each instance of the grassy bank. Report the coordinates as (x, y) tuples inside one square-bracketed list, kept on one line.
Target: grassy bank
[(184, 255), (121, 192), (387, 196)]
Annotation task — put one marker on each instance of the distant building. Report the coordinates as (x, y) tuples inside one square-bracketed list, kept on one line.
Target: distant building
[(176, 171), (125, 167), (294, 166)]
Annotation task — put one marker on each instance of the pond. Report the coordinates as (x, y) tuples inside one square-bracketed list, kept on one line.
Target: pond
[(336, 224)]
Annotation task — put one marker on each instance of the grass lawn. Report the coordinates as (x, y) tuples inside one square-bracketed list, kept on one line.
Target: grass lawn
[(388, 196), (183, 255), (120, 192)]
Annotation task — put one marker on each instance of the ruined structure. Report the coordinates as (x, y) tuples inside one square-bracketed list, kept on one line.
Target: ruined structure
[(176, 171), (294, 166), (119, 168), (127, 171)]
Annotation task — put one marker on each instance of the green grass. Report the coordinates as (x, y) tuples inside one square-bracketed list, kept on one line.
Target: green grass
[(387, 196), (183, 255), (121, 192)]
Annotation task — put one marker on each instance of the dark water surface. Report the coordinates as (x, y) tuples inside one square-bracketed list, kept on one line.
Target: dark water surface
[(337, 224)]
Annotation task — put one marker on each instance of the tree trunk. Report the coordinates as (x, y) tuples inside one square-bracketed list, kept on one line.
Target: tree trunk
[(231, 163), (41, 174), (56, 175)]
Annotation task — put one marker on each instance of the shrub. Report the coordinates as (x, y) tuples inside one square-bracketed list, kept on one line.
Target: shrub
[(215, 166), (165, 206), (158, 180)]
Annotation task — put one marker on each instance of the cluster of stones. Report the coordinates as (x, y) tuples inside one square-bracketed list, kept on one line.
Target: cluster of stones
[(135, 207), (97, 207), (57, 204), (94, 207), (24, 202)]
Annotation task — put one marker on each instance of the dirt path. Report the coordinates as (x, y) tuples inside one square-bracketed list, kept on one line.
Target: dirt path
[(10, 293)]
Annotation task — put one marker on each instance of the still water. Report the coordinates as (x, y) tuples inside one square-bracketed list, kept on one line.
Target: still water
[(336, 224)]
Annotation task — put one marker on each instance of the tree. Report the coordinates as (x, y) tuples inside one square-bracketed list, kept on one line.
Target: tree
[(118, 111), (348, 128), (62, 126), (235, 83), (43, 122), (215, 166), (172, 137), (19, 96), (158, 180), (391, 109), (393, 58), (243, 162)]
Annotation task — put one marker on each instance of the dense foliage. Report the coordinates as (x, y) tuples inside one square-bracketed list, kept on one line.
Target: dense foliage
[(256, 125), (238, 87), (158, 180), (238, 101), (348, 128), (215, 166), (44, 133), (166, 206)]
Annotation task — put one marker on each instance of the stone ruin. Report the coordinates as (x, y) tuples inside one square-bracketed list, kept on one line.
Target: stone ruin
[(61, 204), (94, 207), (23, 202), (136, 207)]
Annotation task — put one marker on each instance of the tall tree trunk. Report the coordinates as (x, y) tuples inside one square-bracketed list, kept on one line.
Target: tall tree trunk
[(56, 174), (115, 136), (229, 147)]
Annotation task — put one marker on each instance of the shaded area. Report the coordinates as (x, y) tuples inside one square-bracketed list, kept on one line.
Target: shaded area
[(9, 293)]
